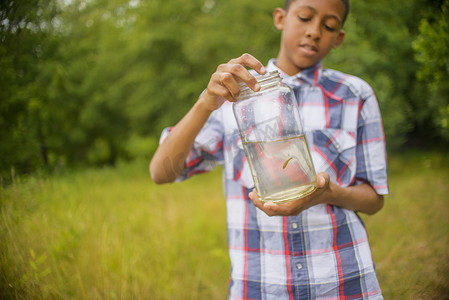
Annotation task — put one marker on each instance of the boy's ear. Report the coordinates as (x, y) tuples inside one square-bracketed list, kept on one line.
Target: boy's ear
[(340, 39), (279, 18)]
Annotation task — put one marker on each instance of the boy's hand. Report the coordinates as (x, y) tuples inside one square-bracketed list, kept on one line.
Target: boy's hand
[(296, 206), (360, 198), (223, 84)]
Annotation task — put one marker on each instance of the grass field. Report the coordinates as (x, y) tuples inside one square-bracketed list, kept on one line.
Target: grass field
[(113, 234)]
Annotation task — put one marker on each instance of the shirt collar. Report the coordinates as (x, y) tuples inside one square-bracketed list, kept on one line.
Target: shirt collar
[(310, 76)]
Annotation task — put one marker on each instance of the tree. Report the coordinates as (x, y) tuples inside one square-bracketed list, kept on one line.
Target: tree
[(432, 52), (88, 82), (25, 42)]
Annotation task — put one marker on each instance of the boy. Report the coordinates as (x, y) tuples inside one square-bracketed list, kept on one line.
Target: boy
[(315, 247)]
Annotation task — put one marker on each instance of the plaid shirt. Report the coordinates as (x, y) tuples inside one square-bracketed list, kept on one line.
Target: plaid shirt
[(322, 253)]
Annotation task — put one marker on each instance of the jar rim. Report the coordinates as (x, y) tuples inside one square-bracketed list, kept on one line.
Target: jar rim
[(266, 80)]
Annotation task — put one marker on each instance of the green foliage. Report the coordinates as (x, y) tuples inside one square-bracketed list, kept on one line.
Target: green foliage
[(95, 82), (180, 49), (378, 49), (432, 52), (25, 42)]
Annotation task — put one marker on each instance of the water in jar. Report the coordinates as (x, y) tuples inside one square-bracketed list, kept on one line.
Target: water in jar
[(282, 169)]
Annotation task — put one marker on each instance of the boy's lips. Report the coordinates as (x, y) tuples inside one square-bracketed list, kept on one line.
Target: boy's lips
[(308, 49)]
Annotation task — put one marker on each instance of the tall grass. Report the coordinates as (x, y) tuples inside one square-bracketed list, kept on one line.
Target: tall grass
[(113, 234), (410, 235)]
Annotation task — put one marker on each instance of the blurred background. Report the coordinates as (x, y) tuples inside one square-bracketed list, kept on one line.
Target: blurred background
[(86, 86), (92, 82)]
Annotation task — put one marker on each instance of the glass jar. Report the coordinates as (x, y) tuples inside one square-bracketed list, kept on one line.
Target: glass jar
[(274, 141)]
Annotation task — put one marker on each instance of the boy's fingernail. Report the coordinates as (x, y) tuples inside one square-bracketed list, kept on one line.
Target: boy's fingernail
[(263, 70), (257, 86)]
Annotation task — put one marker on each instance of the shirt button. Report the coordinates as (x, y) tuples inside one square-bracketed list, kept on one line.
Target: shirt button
[(294, 225), (299, 266)]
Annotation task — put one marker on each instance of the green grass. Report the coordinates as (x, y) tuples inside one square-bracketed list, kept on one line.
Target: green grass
[(410, 235), (113, 234)]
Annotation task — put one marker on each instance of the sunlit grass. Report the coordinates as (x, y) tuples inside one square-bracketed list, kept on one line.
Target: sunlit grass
[(410, 235), (113, 234)]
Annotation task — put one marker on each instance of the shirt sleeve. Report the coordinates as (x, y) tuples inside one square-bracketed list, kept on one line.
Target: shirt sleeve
[(371, 151), (207, 150)]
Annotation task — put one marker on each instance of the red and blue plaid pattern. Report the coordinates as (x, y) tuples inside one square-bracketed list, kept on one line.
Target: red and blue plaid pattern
[(322, 253)]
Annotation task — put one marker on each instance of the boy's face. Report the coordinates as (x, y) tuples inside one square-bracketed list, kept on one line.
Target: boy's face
[(310, 29)]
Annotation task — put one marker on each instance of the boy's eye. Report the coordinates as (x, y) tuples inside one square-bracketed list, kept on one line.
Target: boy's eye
[(330, 28), (304, 19)]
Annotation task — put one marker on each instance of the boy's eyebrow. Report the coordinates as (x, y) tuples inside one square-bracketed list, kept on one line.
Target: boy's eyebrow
[(316, 11)]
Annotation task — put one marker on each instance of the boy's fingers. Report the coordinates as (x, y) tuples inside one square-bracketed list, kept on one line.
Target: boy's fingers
[(248, 60), (237, 67), (322, 179), (257, 203), (254, 197), (284, 209), (228, 81), (271, 209), (224, 85), (237, 71), (224, 82)]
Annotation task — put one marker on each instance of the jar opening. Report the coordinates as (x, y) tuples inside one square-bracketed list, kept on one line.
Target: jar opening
[(266, 81)]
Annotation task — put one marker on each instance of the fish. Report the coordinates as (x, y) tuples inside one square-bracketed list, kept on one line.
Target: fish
[(286, 162)]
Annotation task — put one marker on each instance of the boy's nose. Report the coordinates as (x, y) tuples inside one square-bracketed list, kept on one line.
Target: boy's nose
[(313, 31)]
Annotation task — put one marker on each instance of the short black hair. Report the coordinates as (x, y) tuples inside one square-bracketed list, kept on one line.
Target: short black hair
[(345, 3)]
